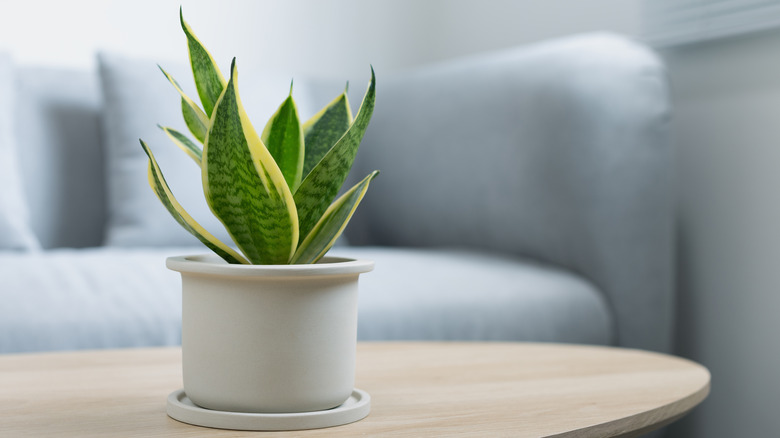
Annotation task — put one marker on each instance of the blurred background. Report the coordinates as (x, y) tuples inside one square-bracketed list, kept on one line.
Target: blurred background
[(723, 58)]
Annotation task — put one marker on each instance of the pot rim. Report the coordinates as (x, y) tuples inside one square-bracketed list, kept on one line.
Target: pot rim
[(213, 264)]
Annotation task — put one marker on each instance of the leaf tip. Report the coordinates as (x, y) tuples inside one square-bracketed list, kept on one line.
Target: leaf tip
[(168, 76), (145, 147), (186, 26)]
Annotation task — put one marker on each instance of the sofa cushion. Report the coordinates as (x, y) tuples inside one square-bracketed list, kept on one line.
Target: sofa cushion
[(444, 294), (56, 120), (125, 297), (68, 299), (15, 227), (137, 98)]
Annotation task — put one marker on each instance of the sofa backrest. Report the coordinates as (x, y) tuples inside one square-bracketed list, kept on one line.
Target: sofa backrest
[(558, 151)]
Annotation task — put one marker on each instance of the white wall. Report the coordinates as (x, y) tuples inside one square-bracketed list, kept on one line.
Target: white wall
[(727, 122), (335, 37)]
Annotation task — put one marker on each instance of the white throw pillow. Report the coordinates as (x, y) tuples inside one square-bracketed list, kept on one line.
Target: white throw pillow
[(15, 230), (137, 97)]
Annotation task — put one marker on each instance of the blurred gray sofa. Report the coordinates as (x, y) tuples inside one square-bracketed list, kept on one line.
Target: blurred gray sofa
[(525, 195)]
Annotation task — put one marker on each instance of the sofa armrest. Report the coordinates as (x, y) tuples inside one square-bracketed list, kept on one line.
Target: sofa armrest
[(558, 151)]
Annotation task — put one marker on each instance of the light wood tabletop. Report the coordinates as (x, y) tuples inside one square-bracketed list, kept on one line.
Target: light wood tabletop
[(417, 389)]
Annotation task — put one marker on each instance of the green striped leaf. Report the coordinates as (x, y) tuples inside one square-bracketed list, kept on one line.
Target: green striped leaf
[(194, 117), (184, 143), (283, 137), (243, 185), (323, 130), (163, 192), (193, 120), (332, 223), (321, 185), (208, 79)]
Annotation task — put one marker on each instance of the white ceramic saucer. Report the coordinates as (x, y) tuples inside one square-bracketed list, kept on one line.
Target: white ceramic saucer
[(181, 408)]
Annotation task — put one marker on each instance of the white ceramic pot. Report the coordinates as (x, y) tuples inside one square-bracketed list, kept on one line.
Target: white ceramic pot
[(271, 338)]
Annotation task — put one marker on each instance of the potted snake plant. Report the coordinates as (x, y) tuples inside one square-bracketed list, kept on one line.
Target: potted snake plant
[(269, 322)]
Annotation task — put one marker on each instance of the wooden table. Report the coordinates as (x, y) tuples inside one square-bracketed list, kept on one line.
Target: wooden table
[(417, 389)]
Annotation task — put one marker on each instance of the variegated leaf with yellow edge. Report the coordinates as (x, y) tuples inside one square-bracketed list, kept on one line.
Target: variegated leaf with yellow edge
[(332, 223), (197, 121), (184, 143), (283, 137), (322, 184), (208, 79), (163, 192), (324, 129), (243, 185)]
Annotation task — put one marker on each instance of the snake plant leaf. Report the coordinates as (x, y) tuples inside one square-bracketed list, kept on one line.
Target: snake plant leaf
[(332, 223), (208, 79), (163, 192), (243, 185), (323, 130), (321, 185), (184, 143), (194, 117), (283, 137)]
